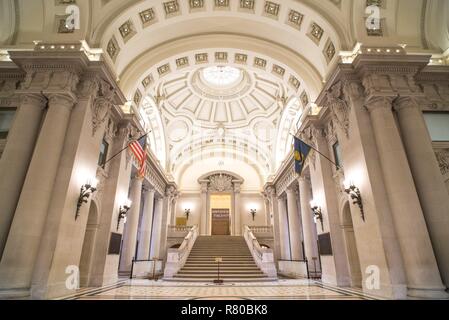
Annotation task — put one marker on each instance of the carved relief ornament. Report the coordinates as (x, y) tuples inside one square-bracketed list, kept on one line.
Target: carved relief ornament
[(339, 107)]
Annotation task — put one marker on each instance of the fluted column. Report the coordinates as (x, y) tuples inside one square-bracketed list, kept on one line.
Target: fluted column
[(423, 277), (284, 237), (203, 218), (22, 246), (173, 210), (237, 205), (132, 224), (295, 227), (428, 179), (157, 225), (308, 225), (17, 156), (166, 204), (143, 250), (271, 194), (267, 208)]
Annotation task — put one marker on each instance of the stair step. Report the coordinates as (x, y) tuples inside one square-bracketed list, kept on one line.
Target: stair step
[(238, 264)]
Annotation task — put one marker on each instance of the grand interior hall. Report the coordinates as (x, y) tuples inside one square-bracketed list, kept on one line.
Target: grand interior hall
[(224, 149)]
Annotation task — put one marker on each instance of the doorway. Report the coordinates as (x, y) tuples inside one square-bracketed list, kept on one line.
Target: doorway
[(220, 222), (351, 248), (220, 205)]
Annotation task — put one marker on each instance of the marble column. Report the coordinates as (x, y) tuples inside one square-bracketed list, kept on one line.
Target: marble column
[(156, 229), (163, 231), (22, 246), (428, 179), (295, 227), (132, 223), (17, 156), (237, 209), (271, 193), (309, 226), (173, 210), (203, 218), (423, 277), (143, 249), (266, 202), (284, 236)]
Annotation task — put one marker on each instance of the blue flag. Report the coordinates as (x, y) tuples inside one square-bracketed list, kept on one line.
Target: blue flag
[(302, 150)]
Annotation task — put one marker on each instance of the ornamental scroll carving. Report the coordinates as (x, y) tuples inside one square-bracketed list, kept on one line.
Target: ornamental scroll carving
[(340, 109), (102, 104), (221, 183), (443, 160)]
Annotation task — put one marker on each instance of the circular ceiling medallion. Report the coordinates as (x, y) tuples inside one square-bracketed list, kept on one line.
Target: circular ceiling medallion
[(221, 76), (221, 83), (178, 130)]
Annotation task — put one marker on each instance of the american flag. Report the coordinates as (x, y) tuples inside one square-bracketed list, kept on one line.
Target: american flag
[(138, 148)]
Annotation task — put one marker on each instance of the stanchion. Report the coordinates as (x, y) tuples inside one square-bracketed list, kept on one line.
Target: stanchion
[(218, 280)]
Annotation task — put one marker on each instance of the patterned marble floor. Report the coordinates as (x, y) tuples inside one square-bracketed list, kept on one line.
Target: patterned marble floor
[(161, 290)]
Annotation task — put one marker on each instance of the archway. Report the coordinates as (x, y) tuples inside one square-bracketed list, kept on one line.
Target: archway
[(351, 248), (220, 203), (87, 252)]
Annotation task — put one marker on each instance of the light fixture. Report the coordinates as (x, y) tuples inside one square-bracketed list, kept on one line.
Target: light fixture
[(86, 191), (221, 76), (253, 213), (317, 213), (356, 196), (187, 213), (123, 211)]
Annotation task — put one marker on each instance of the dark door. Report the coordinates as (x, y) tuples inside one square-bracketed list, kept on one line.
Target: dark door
[(220, 222)]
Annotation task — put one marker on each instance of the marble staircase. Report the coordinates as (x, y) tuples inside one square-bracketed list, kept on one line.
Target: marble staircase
[(237, 262)]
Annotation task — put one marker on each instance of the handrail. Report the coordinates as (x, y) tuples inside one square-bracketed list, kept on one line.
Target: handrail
[(263, 257), (261, 229), (172, 228), (176, 258)]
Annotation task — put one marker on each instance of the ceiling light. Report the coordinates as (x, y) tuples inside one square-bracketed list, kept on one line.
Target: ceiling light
[(221, 76)]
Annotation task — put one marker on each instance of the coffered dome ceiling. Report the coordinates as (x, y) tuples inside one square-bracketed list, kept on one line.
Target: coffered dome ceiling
[(232, 96), (222, 101)]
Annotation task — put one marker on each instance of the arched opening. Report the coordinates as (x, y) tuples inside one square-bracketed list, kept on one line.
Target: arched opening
[(351, 248), (87, 252)]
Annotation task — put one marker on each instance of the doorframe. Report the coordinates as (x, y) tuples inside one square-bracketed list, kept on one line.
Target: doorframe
[(231, 211)]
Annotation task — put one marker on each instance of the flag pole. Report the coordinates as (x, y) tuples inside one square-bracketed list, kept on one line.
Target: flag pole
[(325, 157), (115, 155)]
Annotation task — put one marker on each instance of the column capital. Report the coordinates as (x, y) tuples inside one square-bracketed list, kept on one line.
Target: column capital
[(149, 189), (406, 103), (304, 179), (32, 99), (137, 178), (67, 100), (292, 189), (379, 102)]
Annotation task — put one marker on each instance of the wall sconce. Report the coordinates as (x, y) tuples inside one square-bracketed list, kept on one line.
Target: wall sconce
[(317, 213), (123, 211), (187, 213), (253, 213), (86, 191), (355, 195)]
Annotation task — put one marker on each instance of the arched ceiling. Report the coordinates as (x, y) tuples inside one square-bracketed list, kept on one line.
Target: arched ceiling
[(283, 51)]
